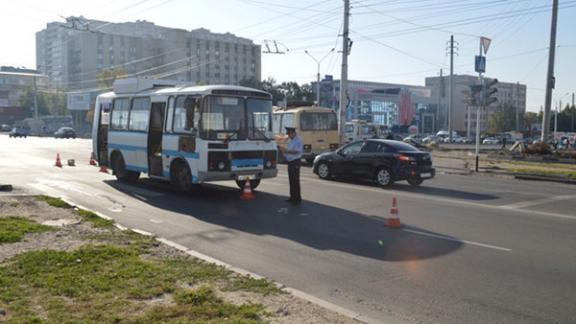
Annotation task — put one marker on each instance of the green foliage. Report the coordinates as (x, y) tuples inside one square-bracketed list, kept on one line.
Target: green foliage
[(247, 283), (107, 77), (96, 220), (503, 120), (55, 202), (49, 103), (13, 229), (291, 91), (107, 283)]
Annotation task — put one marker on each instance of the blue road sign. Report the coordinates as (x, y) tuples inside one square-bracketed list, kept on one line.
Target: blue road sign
[(480, 64)]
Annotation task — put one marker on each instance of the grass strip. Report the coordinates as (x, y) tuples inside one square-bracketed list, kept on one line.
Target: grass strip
[(13, 229), (108, 283)]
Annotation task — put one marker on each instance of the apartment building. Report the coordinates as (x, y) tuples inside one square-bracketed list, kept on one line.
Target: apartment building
[(74, 54)]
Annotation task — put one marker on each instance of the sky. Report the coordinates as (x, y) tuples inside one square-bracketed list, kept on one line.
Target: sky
[(394, 41)]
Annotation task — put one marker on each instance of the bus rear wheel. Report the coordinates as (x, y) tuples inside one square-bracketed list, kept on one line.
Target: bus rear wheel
[(119, 168), (253, 183)]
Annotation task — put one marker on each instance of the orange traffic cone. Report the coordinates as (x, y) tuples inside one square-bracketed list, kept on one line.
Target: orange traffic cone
[(393, 221), (247, 193), (93, 159), (103, 169), (58, 162)]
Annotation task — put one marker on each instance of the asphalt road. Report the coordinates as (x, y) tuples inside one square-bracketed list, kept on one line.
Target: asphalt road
[(473, 249)]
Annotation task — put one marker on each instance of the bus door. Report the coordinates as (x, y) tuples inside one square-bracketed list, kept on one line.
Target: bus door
[(157, 113), (102, 137)]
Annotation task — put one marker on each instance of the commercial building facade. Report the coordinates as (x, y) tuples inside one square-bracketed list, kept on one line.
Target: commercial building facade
[(511, 95), (74, 54), (386, 104), (14, 82)]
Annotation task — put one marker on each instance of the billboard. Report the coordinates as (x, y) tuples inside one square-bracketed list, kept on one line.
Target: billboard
[(79, 101)]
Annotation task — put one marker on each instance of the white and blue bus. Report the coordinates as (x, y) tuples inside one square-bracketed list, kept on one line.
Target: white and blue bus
[(185, 134)]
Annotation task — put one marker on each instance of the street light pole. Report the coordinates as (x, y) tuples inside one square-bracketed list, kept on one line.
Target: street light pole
[(318, 74)]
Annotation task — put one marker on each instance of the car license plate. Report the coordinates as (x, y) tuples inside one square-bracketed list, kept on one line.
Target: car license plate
[(246, 177), (425, 175)]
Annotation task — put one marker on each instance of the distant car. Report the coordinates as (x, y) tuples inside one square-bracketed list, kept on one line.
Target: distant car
[(455, 139), (19, 132), (384, 161), (430, 139), (65, 132), (490, 140), (5, 128), (416, 138)]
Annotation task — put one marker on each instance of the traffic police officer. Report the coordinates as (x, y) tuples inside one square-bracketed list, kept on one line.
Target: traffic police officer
[(293, 154)]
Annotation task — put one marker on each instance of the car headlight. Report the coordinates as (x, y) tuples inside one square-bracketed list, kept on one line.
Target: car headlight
[(268, 164)]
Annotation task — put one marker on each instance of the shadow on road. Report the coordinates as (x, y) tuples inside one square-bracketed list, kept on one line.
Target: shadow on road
[(426, 188), (318, 226)]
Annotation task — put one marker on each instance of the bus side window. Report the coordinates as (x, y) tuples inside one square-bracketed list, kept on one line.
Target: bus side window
[(170, 115), (191, 106)]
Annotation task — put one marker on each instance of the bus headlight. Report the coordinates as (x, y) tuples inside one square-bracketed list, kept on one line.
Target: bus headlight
[(221, 165)]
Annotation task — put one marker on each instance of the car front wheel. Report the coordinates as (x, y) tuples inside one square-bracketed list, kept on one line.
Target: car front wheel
[(384, 178), (415, 181), (324, 171)]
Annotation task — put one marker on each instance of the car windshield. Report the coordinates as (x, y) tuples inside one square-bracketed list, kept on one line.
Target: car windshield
[(235, 118)]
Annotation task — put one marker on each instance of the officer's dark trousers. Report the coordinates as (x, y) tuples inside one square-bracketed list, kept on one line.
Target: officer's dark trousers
[(294, 179)]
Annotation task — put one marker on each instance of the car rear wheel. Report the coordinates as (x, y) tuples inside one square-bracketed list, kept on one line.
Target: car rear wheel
[(253, 183), (119, 168), (415, 181), (384, 178), (324, 171)]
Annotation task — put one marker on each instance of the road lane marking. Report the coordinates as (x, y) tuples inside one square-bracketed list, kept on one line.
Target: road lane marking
[(530, 203), (449, 238), (439, 199)]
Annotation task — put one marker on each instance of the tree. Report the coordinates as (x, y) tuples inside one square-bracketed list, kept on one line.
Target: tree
[(291, 91), (107, 77), (49, 102), (503, 120)]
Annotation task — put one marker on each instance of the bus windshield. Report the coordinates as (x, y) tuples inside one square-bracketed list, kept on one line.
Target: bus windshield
[(259, 118), (224, 118)]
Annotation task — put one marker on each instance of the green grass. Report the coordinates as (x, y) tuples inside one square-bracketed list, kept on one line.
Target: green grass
[(108, 283), (55, 202), (96, 220), (247, 283), (13, 229)]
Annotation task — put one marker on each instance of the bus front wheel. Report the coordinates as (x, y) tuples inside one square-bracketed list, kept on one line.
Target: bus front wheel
[(182, 177), (119, 168), (253, 183)]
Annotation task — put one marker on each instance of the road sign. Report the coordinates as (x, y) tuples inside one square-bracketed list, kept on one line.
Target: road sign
[(480, 64), (485, 43)]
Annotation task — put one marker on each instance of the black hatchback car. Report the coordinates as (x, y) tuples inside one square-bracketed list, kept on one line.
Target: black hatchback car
[(65, 132), (384, 161)]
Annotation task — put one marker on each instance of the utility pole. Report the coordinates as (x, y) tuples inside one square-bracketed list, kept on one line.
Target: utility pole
[(344, 73), (550, 76), (451, 88), (35, 99), (517, 106), (318, 74), (572, 113), (440, 91)]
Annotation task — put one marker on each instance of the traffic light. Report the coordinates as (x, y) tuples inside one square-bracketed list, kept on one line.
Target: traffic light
[(490, 92), (475, 95)]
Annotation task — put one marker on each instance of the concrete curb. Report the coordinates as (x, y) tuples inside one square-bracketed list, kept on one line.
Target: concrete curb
[(544, 178), (295, 292)]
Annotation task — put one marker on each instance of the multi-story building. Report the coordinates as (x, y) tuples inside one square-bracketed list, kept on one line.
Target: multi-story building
[(511, 95), (386, 104), (14, 82), (75, 54)]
